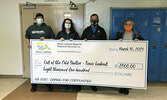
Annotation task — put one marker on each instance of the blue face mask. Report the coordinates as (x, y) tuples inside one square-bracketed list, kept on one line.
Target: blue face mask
[(39, 21)]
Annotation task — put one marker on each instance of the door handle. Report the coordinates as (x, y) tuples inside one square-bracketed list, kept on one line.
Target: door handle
[(158, 29), (153, 45), (165, 45)]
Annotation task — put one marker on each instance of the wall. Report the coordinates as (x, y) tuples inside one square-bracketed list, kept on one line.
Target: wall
[(10, 36), (10, 39)]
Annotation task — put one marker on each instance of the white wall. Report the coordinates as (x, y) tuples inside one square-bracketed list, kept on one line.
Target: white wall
[(10, 36), (10, 39)]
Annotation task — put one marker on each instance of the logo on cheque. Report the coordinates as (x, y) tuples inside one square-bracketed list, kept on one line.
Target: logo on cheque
[(42, 46)]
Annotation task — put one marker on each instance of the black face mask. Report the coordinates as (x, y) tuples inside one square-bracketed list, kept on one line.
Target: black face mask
[(94, 23)]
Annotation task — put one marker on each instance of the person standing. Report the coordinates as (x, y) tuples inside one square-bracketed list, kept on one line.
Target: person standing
[(67, 33), (93, 32), (39, 30), (128, 33)]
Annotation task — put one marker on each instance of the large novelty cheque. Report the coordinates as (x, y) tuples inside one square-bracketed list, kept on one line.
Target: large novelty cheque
[(95, 63)]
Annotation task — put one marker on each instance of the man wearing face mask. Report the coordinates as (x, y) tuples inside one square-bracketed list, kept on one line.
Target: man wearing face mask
[(39, 30), (94, 31)]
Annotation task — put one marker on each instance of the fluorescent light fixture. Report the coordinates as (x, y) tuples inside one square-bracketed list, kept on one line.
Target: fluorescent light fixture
[(29, 5)]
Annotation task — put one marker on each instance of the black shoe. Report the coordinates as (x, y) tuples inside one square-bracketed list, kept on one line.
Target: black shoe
[(64, 88), (94, 88), (50, 88), (33, 88), (78, 88), (121, 91), (126, 92), (71, 88)]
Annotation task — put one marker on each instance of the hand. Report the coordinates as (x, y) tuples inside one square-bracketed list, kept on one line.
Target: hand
[(120, 39), (42, 38), (70, 39), (136, 40), (50, 39), (85, 39), (62, 39), (29, 46)]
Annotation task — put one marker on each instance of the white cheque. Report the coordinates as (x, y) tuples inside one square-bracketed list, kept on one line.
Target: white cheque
[(94, 63)]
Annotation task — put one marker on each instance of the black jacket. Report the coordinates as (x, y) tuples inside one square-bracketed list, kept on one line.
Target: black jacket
[(36, 32), (72, 35), (100, 34), (136, 35)]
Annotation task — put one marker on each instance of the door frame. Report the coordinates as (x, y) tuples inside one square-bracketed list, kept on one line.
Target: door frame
[(21, 27)]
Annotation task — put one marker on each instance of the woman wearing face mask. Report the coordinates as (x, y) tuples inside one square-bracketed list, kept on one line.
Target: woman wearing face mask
[(67, 33), (128, 34)]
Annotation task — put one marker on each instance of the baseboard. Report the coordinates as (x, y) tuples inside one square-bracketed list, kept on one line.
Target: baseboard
[(11, 76)]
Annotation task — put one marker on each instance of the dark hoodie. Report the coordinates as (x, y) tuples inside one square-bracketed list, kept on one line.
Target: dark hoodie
[(36, 32)]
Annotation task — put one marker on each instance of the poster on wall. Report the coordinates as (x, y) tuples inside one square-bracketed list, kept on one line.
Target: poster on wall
[(95, 63)]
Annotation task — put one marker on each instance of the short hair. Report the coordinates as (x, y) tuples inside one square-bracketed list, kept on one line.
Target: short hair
[(95, 15), (72, 25), (130, 21), (39, 15)]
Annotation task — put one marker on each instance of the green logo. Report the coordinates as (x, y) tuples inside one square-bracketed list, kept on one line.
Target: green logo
[(42, 46)]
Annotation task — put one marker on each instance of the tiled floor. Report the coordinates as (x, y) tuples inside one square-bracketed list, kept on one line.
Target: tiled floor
[(23, 93), (7, 85), (155, 91)]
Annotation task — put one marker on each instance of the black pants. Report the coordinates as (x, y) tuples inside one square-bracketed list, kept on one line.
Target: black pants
[(35, 85)]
